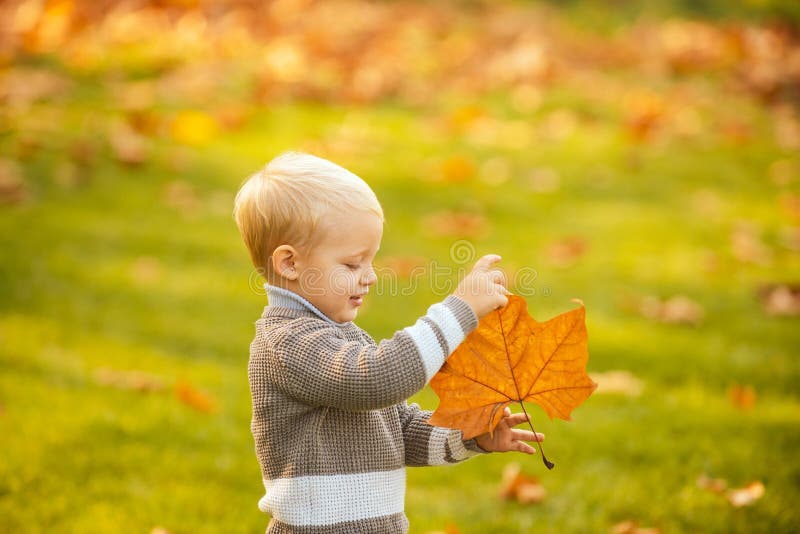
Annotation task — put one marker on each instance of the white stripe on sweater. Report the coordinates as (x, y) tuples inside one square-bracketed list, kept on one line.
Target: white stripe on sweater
[(447, 322), (428, 346), (426, 341), (327, 499)]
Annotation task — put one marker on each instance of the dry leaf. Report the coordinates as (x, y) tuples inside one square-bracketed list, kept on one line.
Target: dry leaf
[(543, 180), (742, 397), (511, 357), (747, 495), (495, 171), (450, 529), (520, 487), (780, 299), (785, 171), (195, 128), (130, 380), (403, 266), (129, 147), (457, 169), (681, 309), (674, 310), (145, 270), (790, 204), (714, 485), (181, 195), (747, 245), (565, 252), (194, 398), (12, 186), (618, 382), (456, 224), (632, 527)]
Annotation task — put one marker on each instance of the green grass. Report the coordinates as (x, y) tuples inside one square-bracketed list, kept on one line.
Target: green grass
[(80, 456), (108, 274)]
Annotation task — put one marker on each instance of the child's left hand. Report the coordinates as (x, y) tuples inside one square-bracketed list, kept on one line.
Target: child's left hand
[(506, 438)]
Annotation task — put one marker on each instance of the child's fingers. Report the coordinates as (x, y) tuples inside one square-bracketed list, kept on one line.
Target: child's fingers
[(498, 277), (526, 435), (485, 262), (516, 419), (524, 447)]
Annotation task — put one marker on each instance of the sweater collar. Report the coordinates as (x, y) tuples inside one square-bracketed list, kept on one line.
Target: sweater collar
[(283, 298)]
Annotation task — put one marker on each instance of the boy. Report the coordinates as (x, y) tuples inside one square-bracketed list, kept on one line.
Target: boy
[(332, 429)]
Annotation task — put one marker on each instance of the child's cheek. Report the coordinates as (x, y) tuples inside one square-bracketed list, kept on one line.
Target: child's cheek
[(342, 282)]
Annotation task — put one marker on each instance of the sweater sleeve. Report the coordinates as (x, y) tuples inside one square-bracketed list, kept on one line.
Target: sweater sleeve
[(432, 445), (320, 368)]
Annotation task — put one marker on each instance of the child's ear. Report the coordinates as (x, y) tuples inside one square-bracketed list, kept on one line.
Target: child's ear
[(283, 262)]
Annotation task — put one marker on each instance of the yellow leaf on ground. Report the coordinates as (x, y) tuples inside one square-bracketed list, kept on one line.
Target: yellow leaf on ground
[(194, 398), (194, 128), (747, 495)]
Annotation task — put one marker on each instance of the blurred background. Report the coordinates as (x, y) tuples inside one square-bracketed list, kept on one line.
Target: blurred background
[(641, 156)]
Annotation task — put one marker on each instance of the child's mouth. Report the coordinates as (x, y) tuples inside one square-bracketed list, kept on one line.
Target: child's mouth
[(357, 300)]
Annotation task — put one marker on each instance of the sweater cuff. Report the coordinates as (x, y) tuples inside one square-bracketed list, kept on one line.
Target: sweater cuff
[(472, 445)]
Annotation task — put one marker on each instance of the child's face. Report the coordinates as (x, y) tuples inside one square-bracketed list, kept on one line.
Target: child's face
[(337, 272)]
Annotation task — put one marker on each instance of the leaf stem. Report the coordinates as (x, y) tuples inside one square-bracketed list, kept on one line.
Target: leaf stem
[(547, 462)]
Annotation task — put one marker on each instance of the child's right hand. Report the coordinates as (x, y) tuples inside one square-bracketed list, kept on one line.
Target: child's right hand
[(483, 288)]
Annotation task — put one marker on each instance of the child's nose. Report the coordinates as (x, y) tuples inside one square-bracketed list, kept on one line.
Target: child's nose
[(369, 277)]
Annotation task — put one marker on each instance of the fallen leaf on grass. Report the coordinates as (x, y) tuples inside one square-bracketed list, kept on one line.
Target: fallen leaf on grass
[(456, 224), (785, 171), (747, 495), (742, 397), (12, 186), (632, 527), (194, 398), (780, 299), (543, 180), (790, 205), (403, 266), (520, 487), (747, 245), (181, 196), (128, 146), (673, 310), (194, 128), (737, 497), (128, 380), (457, 169), (714, 485), (645, 111), (511, 357), (618, 382), (145, 270), (565, 252), (450, 529), (495, 171)]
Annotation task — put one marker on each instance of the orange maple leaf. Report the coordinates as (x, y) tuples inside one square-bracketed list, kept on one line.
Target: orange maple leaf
[(511, 357)]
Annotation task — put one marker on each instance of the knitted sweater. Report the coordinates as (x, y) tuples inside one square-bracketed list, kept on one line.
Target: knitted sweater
[(332, 429)]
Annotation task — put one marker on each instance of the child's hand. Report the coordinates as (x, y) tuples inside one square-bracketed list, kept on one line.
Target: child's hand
[(483, 288), (507, 438)]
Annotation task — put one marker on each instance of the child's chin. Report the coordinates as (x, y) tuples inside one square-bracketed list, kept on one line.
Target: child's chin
[(345, 316)]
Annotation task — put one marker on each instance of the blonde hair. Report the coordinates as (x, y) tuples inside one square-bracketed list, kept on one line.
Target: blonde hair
[(284, 202)]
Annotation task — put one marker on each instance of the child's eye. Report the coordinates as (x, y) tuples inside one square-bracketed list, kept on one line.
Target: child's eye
[(351, 266)]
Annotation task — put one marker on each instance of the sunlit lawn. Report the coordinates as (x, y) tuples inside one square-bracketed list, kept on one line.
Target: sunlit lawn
[(141, 269)]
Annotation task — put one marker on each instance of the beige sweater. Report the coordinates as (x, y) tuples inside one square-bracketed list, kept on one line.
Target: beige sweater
[(332, 429)]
